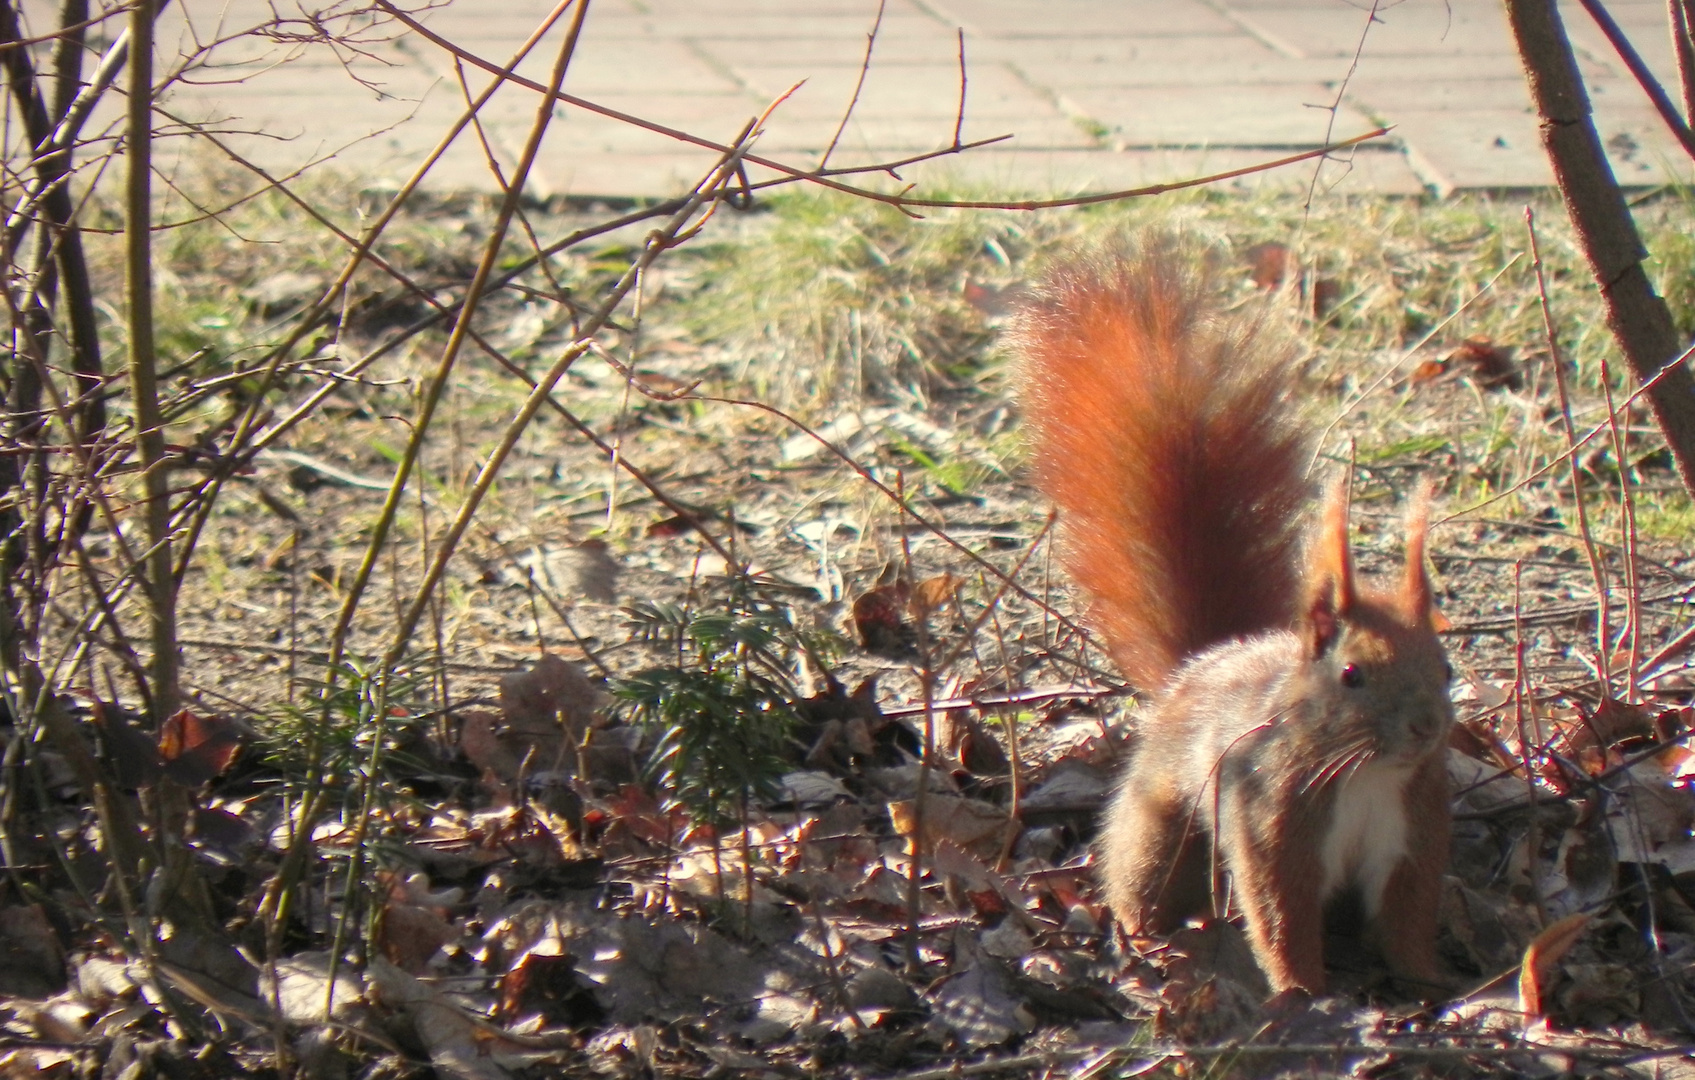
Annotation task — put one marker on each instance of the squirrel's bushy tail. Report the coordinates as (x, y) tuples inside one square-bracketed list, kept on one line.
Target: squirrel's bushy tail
[(1165, 430)]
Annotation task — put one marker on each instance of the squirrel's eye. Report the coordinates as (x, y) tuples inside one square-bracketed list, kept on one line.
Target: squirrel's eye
[(1352, 677)]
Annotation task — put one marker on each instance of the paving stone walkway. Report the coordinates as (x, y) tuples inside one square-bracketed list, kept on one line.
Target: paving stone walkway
[(1097, 94)]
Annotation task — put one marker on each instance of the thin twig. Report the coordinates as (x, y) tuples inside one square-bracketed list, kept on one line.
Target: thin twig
[(858, 85), (1597, 571), (143, 363), (959, 117), (1636, 314), (474, 292), (1142, 1060), (900, 502), (1630, 634), (70, 30), (1644, 78), (657, 243), (1682, 14), (248, 441), (1668, 369), (1533, 843), (899, 201), (420, 427), (1334, 109), (927, 673), (988, 702)]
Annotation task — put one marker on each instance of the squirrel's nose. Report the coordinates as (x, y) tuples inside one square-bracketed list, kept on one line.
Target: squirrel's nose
[(1423, 725)]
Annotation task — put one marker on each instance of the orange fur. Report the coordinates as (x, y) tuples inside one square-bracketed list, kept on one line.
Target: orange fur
[(1164, 432), (1298, 733), (1416, 595)]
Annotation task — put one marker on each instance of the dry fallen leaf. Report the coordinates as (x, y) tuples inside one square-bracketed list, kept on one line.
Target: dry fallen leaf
[(414, 925), (980, 1004), (931, 594), (32, 962), (585, 571), (461, 1044), (453, 1039), (1536, 972), (880, 618), (544, 712), (978, 751), (979, 827), (1325, 293), (481, 742), (555, 692), (1490, 365), (1429, 371), (196, 748), (1269, 264), (128, 752), (545, 984), (1647, 811)]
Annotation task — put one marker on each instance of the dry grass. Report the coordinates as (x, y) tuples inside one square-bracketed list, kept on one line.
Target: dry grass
[(879, 332), (827, 307), (878, 328)]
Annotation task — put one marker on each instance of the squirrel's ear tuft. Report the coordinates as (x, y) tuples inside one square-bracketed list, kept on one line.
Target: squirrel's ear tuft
[(1417, 597), (1330, 577)]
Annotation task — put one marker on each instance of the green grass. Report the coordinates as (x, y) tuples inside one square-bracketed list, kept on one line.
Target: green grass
[(828, 303)]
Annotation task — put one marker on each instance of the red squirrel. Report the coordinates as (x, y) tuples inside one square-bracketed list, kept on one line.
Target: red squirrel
[(1297, 734)]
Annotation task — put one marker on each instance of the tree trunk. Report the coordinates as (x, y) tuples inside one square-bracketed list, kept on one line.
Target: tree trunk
[(1638, 318)]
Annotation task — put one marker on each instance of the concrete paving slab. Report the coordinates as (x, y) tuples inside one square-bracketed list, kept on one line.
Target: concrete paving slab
[(715, 116), (645, 67), (1181, 60), (1097, 92), (1099, 50), (1502, 149), (1386, 96), (995, 102), (710, 27), (1279, 115), (593, 176), (1035, 173), (903, 137), (1649, 36), (796, 11), (1410, 28), (1073, 18), (991, 91), (1252, 69), (1459, 69), (890, 51), (798, 142)]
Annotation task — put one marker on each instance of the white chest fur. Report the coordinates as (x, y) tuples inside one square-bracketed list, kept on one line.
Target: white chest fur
[(1367, 836)]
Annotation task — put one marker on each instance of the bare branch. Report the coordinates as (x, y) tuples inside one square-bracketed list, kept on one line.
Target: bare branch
[(1644, 78), (143, 363), (959, 117), (791, 174), (1335, 107), (859, 84), (657, 243), (1682, 14), (67, 30)]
